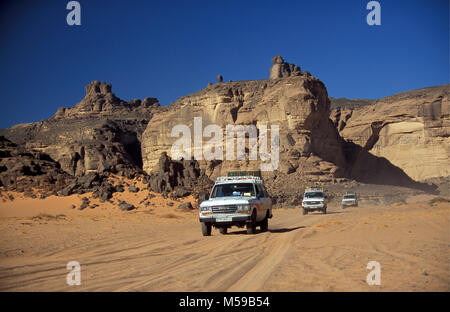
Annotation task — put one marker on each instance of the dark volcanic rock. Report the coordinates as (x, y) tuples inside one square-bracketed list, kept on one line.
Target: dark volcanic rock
[(185, 206), (119, 188), (125, 206), (181, 176), (105, 192), (202, 195), (180, 191), (22, 169), (133, 189), (84, 204)]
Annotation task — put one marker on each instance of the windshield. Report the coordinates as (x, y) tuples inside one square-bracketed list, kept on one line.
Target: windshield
[(233, 189), (314, 195)]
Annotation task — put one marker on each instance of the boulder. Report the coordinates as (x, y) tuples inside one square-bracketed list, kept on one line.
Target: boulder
[(126, 206), (186, 206), (133, 189)]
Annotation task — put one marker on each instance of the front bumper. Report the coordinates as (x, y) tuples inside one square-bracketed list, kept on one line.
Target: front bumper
[(349, 204), (233, 219), (314, 207)]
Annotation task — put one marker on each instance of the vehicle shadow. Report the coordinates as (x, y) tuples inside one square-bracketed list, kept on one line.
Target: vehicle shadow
[(285, 230), (282, 230), (328, 213)]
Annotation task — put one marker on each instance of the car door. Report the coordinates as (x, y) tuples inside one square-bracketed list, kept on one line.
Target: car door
[(267, 201), (261, 210)]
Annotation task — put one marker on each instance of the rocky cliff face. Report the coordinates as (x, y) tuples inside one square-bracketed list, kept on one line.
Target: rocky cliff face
[(100, 133), (387, 141), (299, 105), (409, 129)]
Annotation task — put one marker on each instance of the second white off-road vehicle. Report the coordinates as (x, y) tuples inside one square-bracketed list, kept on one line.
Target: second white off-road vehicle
[(236, 201), (314, 199), (349, 200)]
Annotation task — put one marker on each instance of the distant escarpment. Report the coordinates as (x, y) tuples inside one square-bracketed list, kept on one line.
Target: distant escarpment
[(410, 129)]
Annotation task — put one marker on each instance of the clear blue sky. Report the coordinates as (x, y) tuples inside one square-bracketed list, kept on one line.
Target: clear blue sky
[(167, 49)]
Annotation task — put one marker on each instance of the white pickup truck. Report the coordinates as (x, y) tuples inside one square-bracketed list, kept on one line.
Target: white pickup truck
[(236, 201)]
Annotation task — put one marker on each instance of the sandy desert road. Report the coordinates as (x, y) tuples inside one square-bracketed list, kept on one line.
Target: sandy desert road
[(147, 252)]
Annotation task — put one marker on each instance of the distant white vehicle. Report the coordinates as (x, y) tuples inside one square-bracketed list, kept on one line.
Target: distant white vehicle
[(349, 200), (314, 199), (236, 201)]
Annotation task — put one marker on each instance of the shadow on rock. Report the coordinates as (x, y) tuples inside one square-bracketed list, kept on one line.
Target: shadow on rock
[(368, 168)]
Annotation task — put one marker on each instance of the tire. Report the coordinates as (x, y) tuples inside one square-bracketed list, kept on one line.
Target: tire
[(206, 229), (251, 225), (264, 224), (305, 212), (324, 210), (223, 230)]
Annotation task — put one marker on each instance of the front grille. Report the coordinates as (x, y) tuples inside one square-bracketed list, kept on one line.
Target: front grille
[(312, 202), (224, 209)]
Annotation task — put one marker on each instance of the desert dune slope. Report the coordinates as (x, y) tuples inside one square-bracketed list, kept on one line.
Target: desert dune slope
[(161, 249)]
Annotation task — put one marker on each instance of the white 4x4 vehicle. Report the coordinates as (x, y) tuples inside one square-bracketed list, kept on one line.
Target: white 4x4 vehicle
[(314, 199), (236, 201), (349, 200)]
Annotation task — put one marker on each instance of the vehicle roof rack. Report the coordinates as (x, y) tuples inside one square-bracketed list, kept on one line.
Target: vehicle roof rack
[(239, 178), (314, 189), (256, 173)]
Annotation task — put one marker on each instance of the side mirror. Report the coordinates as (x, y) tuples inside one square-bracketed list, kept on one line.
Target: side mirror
[(206, 196)]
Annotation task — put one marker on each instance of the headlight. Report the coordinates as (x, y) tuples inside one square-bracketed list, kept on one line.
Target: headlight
[(243, 207), (205, 208)]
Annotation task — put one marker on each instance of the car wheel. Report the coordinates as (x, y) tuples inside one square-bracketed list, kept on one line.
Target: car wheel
[(251, 225), (324, 210), (206, 229), (223, 230), (305, 212), (264, 224)]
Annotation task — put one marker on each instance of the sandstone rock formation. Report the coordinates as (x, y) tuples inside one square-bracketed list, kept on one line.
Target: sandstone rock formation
[(387, 141), (99, 99), (100, 133), (311, 149), (410, 129), (219, 78), (280, 69), (298, 105)]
